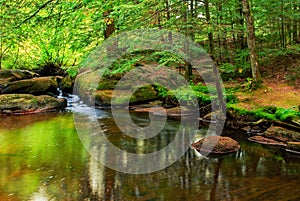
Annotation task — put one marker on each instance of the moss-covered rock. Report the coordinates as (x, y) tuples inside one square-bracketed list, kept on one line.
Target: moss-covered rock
[(13, 75), (66, 84), (11, 104), (143, 94), (107, 84), (103, 97), (35, 86)]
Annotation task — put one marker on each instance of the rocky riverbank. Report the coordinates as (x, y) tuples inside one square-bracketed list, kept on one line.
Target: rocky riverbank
[(26, 92)]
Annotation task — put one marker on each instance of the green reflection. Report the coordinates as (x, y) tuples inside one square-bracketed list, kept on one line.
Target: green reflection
[(41, 155)]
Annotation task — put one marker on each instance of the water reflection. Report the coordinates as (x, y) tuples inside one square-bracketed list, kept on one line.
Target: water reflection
[(45, 160)]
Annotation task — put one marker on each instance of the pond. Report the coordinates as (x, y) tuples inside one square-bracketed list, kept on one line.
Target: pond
[(42, 158)]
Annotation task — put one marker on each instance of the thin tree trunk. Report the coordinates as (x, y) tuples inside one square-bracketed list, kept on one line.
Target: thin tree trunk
[(110, 29), (240, 22), (210, 34), (168, 18), (251, 42), (188, 66), (110, 25), (295, 30)]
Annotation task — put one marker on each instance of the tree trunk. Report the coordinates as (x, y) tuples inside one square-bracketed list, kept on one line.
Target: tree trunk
[(110, 25), (210, 34), (295, 30), (188, 66), (110, 29), (251, 42), (168, 10), (240, 22)]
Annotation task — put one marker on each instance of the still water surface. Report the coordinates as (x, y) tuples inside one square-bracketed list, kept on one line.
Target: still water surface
[(42, 158)]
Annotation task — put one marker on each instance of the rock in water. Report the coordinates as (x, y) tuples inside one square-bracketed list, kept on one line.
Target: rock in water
[(216, 145), (143, 94), (14, 104)]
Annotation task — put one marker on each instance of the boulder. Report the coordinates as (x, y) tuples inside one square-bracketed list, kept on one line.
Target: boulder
[(11, 104), (216, 145), (66, 84), (13, 75), (143, 94), (175, 113), (35, 86), (281, 134), (103, 97)]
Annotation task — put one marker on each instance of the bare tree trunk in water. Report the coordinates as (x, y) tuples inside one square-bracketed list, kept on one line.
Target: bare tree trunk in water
[(251, 42)]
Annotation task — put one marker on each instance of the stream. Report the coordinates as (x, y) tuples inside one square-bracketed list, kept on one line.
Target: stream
[(42, 158)]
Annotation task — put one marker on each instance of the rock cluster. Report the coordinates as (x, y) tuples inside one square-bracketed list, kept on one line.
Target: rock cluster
[(24, 92)]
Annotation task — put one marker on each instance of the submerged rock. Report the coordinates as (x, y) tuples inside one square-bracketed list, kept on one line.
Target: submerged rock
[(35, 86), (216, 145), (13, 104)]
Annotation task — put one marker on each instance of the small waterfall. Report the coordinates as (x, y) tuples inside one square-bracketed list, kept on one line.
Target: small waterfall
[(75, 104)]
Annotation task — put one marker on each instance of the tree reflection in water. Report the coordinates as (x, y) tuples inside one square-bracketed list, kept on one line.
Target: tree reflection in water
[(44, 159)]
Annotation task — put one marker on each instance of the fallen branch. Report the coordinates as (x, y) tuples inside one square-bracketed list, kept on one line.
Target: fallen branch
[(275, 123)]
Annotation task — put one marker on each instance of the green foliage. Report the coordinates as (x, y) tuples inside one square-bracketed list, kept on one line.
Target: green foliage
[(286, 114), (40, 33), (165, 58), (269, 109)]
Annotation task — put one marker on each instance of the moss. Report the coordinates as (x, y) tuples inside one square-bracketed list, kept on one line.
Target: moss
[(106, 84), (286, 114), (270, 112), (258, 114)]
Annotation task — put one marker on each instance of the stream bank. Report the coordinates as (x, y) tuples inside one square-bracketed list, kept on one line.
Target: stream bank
[(26, 92)]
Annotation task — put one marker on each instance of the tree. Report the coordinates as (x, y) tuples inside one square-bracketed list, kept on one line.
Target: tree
[(251, 42)]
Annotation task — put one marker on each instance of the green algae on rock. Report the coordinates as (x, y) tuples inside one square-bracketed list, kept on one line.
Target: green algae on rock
[(15, 104)]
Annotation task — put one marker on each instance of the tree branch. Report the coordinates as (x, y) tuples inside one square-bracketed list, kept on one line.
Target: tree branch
[(35, 13)]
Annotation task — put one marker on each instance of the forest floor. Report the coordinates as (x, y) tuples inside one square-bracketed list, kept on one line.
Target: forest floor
[(276, 90)]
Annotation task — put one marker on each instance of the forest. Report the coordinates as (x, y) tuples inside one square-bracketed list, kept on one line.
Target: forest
[(236, 109), (61, 34)]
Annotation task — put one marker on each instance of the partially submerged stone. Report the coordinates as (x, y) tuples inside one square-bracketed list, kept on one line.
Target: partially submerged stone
[(175, 113), (15, 104), (216, 145), (281, 134)]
